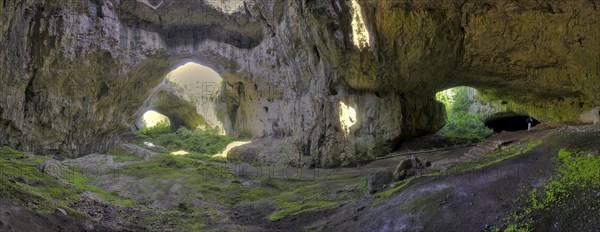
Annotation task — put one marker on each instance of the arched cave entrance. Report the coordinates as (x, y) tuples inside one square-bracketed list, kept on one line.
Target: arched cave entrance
[(188, 97), (152, 118), (509, 122)]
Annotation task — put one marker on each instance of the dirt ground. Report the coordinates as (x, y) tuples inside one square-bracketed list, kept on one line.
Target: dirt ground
[(468, 201), (17, 218)]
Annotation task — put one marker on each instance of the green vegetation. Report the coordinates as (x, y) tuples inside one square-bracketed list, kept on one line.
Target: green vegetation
[(303, 198), (9, 153), (391, 192), (22, 182), (215, 183), (461, 126), (121, 155), (484, 161), (571, 191), (201, 141), (161, 127), (492, 158)]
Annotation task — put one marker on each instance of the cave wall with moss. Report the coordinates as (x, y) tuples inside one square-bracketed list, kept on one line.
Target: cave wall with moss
[(75, 74)]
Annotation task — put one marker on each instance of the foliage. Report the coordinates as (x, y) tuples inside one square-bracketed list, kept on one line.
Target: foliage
[(461, 125), (577, 173), (391, 192), (200, 141), (464, 126), (121, 155), (161, 127), (495, 157)]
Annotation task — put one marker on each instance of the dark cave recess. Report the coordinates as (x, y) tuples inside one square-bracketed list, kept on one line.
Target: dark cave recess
[(509, 122)]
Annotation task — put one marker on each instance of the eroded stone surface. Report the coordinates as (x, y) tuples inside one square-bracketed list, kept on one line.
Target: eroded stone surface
[(76, 73)]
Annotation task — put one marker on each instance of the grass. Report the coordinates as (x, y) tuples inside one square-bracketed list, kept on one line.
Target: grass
[(201, 141), (484, 161), (22, 182), (572, 191), (121, 156), (161, 127), (301, 199), (497, 156), (391, 192), (198, 178), (461, 125), (77, 177)]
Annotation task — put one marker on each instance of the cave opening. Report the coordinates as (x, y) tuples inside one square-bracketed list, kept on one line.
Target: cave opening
[(152, 119), (510, 122), (188, 97), (198, 87)]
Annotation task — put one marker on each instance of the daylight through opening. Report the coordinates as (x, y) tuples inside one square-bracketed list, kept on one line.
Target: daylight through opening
[(152, 119)]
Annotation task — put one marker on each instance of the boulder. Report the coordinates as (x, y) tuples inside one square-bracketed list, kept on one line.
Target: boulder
[(406, 168), (52, 168), (378, 180)]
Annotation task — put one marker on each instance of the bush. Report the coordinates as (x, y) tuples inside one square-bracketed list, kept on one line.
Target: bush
[(161, 127), (199, 141), (461, 125), (464, 126)]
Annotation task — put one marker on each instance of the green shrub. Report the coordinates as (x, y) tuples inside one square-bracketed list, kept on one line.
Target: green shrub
[(577, 175), (121, 155), (161, 127), (461, 125), (464, 126), (199, 141)]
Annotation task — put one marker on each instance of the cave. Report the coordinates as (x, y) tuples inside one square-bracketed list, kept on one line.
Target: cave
[(308, 86), (189, 96), (510, 123), (152, 118)]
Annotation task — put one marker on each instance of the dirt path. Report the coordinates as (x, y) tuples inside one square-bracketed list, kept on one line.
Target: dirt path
[(469, 201), (446, 156)]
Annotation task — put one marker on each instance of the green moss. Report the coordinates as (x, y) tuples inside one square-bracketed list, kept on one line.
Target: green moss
[(161, 127), (578, 176), (121, 155), (81, 181), (23, 183), (9, 153), (293, 208), (461, 125), (173, 220), (391, 192), (199, 141), (492, 158), (427, 203), (303, 198)]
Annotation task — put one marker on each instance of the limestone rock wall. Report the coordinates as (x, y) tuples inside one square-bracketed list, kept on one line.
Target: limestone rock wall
[(75, 74)]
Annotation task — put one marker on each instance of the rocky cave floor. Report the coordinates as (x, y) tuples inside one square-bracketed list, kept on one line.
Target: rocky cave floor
[(143, 190)]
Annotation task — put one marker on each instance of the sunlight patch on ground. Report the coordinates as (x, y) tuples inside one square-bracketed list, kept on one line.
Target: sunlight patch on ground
[(180, 152), (360, 34), (347, 117), (151, 118), (149, 144), (229, 147)]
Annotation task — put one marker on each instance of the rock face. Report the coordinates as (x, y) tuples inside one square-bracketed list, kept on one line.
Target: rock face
[(378, 180), (180, 111), (409, 167), (75, 74)]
